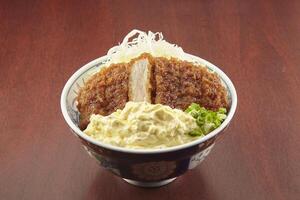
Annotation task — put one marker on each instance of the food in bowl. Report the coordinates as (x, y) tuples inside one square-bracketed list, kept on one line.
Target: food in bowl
[(156, 165), (138, 99)]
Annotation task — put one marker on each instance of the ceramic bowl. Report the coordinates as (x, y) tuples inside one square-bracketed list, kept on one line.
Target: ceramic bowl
[(148, 168)]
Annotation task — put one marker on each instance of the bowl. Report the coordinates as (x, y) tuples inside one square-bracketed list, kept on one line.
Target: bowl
[(147, 168)]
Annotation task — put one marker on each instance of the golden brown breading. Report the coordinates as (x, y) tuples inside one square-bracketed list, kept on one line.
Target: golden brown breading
[(103, 93), (180, 83)]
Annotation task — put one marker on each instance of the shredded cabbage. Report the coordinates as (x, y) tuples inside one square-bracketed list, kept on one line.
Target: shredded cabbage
[(137, 42)]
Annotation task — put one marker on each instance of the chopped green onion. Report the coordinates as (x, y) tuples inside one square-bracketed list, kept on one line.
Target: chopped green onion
[(196, 132), (207, 120)]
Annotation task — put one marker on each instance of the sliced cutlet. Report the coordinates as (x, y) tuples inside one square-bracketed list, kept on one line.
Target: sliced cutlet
[(153, 79), (104, 93), (180, 83), (116, 91), (139, 80)]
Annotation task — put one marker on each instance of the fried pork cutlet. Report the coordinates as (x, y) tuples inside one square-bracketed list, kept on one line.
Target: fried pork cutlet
[(180, 83), (109, 90), (103, 93), (157, 80)]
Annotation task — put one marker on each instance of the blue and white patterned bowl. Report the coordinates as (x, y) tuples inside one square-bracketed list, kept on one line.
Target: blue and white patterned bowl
[(148, 168)]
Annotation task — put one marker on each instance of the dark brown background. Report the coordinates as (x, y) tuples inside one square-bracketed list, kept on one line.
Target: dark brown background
[(255, 42)]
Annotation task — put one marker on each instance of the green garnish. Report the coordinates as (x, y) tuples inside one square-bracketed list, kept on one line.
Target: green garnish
[(207, 120)]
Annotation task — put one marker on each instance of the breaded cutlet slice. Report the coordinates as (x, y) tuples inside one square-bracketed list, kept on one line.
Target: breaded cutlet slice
[(139, 80), (104, 92), (113, 86), (180, 83)]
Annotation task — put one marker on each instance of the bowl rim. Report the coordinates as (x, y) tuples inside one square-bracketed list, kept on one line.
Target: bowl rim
[(78, 132)]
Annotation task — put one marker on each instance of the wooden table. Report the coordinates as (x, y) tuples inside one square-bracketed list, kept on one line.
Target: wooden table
[(255, 42)]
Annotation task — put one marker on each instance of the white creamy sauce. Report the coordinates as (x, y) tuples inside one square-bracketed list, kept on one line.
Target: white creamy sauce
[(141, 125)]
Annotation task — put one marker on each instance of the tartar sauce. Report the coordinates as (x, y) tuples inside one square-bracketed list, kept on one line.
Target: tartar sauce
[(141, 125)]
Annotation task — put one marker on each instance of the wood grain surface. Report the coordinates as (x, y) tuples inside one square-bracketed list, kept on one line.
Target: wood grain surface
[(257, 43)]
